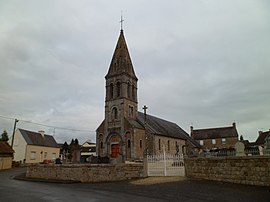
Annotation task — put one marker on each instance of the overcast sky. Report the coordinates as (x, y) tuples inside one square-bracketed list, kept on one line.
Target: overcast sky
[(199, 62)]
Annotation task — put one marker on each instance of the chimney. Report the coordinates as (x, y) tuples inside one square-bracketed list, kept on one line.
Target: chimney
[(42, 132), (191, 131), (233, 124)]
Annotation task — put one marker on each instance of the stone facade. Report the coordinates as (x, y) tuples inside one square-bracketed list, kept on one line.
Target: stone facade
[(127, 134), (215, 138), (170, 145), (241, 170), (228, 143), (86, 173)]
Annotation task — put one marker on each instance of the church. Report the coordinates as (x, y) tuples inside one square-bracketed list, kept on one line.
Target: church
[(127, 134)]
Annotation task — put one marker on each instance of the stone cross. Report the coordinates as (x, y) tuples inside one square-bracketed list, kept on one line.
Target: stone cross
[(146, 134), (144, 109)]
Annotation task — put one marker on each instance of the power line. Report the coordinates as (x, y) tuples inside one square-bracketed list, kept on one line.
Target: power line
[(49, 126), (5, 117)]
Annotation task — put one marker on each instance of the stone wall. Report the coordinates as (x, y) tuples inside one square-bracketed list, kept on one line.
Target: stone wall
[(86, 172), (242, 170)]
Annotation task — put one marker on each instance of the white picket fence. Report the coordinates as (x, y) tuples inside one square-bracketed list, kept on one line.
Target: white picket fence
[(165, 165)]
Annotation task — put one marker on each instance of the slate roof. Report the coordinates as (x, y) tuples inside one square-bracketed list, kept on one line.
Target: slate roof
[(213, 133), (34, 138), (159, 126), (5, 148), (261, 139), (162, 127), (121, 61)]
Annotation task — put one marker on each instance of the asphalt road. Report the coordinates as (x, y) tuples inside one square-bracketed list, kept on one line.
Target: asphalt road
[(184, 190)]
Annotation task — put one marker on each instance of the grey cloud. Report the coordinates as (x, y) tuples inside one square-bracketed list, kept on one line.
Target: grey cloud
[(200, 62)]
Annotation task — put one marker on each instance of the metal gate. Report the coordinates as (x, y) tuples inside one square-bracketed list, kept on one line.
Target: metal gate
[(165, 165)]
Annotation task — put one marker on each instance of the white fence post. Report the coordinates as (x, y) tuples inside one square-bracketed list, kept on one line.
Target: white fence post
[(164, 158)]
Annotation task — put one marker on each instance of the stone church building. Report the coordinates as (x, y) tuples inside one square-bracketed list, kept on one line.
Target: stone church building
[(126, 133)]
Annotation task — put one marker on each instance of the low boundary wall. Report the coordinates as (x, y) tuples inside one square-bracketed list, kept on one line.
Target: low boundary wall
[(86, 172), (241, 170)]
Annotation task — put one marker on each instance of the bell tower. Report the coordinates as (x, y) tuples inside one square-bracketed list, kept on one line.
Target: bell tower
[(121, 98)]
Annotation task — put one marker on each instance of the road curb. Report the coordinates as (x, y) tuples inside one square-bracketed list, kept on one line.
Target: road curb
[(24, 178)]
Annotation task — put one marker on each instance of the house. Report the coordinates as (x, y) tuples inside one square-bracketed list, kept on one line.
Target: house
[(6, 155), (261, 145), (88, 149), (216, 138), (126, 133), (34, 147), (261, 140)]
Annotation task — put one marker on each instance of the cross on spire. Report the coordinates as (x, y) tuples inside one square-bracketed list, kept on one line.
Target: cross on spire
[(144, 109), (121, 21)]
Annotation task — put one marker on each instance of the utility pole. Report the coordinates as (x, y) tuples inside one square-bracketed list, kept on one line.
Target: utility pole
[(15, 123)]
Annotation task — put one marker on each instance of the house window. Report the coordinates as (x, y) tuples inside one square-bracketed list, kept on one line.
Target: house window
[(111, 90), (168, 145), (140, 143), (201, 142), (128, 144), (213, 141), (223, 140), (159, 147), (33, 155), (101, 144), (53, 155), (45, 155), (118, 88)]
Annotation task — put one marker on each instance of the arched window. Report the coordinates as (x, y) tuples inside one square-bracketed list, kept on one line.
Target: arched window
[(101, 145), (118, 88), (114, 113), (111, 90), (168, 145), (100, 137), (128, 90), (133, 91), (128, 145)]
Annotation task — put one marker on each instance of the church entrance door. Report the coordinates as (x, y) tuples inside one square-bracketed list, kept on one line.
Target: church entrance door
[(115, 150)]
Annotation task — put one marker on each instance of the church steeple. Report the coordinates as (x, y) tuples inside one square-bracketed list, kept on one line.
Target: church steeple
[(121, 61), (121, 86)]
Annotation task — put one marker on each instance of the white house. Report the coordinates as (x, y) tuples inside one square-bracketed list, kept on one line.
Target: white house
[(34, 147)]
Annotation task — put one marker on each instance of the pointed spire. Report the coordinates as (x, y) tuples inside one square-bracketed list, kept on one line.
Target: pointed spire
[(121, 62)]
